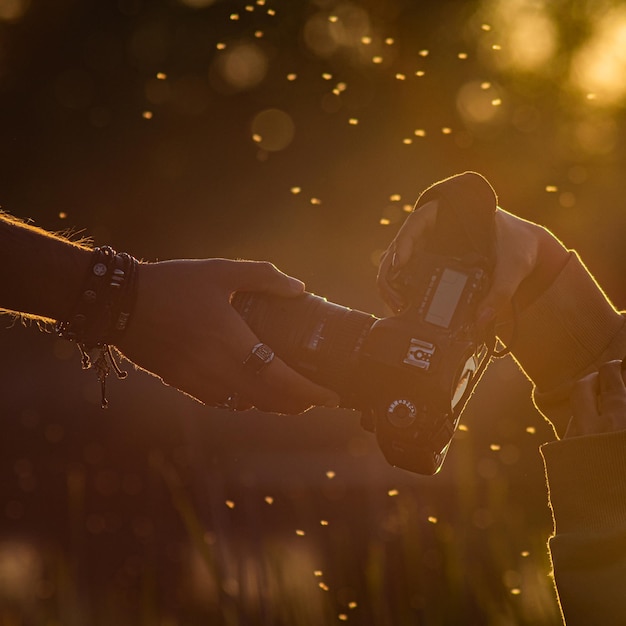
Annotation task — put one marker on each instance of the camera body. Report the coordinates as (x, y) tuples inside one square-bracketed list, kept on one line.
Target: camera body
[(410, 375), (425, 361)]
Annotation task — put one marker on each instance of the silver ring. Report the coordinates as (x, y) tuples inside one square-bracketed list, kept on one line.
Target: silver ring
[(260, 356)]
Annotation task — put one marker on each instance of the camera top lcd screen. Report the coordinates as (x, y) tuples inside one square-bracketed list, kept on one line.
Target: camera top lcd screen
[(446, 298)]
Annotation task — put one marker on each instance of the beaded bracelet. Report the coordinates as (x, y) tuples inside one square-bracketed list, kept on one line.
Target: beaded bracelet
[(102, 312)]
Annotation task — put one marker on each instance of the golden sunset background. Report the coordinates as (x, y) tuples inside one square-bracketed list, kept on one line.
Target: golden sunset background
[(299, 132)]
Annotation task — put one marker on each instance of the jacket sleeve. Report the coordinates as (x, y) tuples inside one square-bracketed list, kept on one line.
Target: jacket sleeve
[(566, 333)]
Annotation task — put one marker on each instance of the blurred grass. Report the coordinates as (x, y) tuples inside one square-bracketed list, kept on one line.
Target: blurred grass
[(299, 559)]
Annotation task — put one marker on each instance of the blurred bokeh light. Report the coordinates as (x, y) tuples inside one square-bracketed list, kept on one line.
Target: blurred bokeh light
[(300, 133)]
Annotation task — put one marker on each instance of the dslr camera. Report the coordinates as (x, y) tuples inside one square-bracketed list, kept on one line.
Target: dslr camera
[(410, 375)]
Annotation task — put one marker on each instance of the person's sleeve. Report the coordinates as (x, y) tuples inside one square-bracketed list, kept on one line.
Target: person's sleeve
[(567, 332), (586, 479)]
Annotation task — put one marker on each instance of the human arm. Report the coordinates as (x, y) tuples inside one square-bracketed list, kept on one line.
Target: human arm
[(183, 329), (548, 309)]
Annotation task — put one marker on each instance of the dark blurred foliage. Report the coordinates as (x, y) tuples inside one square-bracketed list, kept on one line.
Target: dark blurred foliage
[(138, 123)]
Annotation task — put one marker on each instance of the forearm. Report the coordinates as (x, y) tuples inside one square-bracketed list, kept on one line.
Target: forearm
[(567, 332), (40, 273)]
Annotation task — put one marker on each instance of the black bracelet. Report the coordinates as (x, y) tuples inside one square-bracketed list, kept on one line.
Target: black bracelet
[(102, 312)]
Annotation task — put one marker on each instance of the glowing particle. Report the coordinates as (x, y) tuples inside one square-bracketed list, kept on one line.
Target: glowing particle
[(221, 46), (292, 76), (393, 492), (161, 75), (463, 427), (257, 138), (330, 474), (400, 76), (462, 55), (420, 73), (230, 504), (432, 519), (496, 102), (318, 572), (485, 85), (295, 190), (271, 12), (260, 2), (62, 215), (352, 605), (249, 8), (353, 121), (516, 591), (446, 130), (323, 586), (419, 132), (341, 86), (495, 447), (336, 91), (551, 188), (525, 553), (395, 197), (323, 522), (531, 430), (147, 115), (234, 16), (377, 59), (496, 46), (407, 141), (258, 34), (327, 76), (316, 201), (333, 18), (384, 221), (424, 53), (269, 499), (389, 41), (591, 96), (407, 208), (342, 617), (365, 40), (300, 533), (486, 27)]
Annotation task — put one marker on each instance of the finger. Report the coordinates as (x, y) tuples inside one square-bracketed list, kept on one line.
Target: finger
[(392, 298), (280, 389), (277, 387), (411, 236), (263, 276), (611, 381), (613, 394), (585, 414)]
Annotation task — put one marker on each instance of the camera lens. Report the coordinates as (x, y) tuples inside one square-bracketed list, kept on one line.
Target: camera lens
[(320, 339)]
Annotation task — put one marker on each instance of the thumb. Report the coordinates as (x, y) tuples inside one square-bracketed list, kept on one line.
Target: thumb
[(263, 276)]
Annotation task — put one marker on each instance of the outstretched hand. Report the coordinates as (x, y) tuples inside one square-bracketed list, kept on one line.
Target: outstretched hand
[(185, 331)]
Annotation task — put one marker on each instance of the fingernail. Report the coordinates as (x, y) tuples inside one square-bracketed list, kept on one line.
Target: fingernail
[(295, 285)]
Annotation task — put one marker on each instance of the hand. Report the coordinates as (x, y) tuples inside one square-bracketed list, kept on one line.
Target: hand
[(599, 402), (522, 249), (185, 331)]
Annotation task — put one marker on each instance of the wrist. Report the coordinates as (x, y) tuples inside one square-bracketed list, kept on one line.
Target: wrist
[(40, 273)]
